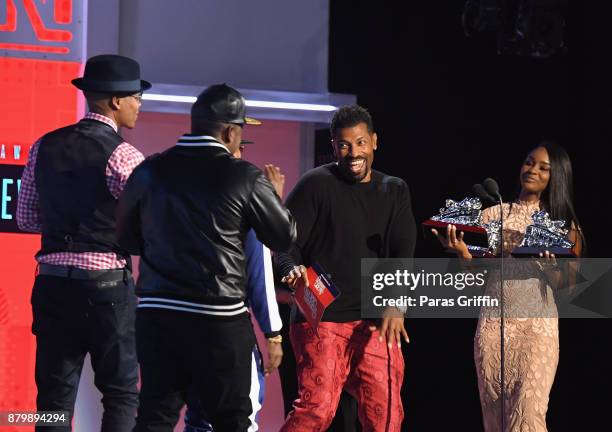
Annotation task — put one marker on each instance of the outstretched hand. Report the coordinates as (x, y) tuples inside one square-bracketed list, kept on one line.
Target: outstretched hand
[(276, 177)]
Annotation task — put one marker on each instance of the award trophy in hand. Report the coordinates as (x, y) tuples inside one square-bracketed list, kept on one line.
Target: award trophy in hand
[(466, 214), (545, 235)]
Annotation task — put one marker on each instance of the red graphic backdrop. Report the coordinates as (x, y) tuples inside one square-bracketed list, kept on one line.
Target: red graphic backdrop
[(39, 19), (36, 97)]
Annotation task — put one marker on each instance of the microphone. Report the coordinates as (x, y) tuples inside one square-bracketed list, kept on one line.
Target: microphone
[(482, 194), (492, 188)]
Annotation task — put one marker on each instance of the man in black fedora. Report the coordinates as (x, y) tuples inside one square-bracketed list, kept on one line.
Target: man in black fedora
[(83, 299), (187, 213)]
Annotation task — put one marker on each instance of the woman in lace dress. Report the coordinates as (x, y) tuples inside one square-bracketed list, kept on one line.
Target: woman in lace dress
[(531, 335)]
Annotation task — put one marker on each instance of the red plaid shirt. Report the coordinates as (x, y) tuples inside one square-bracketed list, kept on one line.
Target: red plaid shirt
[(120, 165)]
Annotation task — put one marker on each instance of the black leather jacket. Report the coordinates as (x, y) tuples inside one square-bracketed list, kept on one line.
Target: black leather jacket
[(186, 212)]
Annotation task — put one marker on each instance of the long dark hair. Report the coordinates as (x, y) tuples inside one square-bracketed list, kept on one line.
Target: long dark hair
[(558, 198)]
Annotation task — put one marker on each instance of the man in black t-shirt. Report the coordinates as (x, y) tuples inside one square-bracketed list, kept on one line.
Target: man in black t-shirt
[(345, 212)]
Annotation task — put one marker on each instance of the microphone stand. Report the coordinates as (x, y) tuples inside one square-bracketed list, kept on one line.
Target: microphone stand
[(492, 191), (502, 316)]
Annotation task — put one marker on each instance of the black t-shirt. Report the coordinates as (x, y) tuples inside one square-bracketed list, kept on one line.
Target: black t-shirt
[(340, 222)]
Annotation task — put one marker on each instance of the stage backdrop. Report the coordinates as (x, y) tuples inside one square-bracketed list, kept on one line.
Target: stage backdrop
[(41, 50), (43, 45)]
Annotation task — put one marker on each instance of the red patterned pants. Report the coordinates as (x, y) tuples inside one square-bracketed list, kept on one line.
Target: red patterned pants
[(345, 355)]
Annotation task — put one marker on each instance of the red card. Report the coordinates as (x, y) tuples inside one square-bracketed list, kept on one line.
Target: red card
[(317, 296)]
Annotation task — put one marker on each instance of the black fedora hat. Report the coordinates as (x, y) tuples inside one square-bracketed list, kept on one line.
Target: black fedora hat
[(222, 103), (110, 73)]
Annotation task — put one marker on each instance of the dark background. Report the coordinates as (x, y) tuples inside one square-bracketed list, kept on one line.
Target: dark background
[(449, 112)]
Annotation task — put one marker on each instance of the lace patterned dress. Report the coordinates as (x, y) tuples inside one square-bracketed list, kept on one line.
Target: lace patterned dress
[(531, 336)]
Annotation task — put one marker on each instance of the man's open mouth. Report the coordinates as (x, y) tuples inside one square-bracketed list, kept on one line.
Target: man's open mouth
[(356, 165)]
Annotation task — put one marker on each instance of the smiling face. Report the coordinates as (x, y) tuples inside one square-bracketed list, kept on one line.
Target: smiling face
[(354, 150), (535, 172)]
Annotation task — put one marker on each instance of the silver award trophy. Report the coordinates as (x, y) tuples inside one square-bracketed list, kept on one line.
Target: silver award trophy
[(545, 235), (482, 239)]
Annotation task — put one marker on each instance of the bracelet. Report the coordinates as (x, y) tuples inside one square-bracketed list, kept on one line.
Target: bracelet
[(276, 339)]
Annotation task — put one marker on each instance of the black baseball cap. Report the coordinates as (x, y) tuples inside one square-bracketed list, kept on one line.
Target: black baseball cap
[(222, 103)]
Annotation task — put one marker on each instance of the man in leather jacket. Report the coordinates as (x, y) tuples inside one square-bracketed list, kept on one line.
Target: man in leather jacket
[(186, 212), (261, 298)]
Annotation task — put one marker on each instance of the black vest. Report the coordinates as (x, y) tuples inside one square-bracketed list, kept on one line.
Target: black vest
[(77, 210)]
